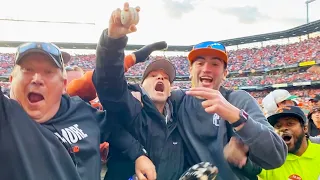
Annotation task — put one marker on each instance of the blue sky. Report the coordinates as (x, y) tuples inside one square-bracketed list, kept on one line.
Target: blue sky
[(179, 22)]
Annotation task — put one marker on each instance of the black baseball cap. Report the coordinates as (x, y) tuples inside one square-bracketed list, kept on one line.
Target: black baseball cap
[(48, 49), (288, 111), (316, 98), (161, 64)]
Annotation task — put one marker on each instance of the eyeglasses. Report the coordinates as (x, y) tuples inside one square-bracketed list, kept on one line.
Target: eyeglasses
[(49, 48), (210, 44)]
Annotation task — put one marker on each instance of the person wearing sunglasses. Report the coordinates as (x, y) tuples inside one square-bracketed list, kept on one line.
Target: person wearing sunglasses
[(45, 134), (209, 115)]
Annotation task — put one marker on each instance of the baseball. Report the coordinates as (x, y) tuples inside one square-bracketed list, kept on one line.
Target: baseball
[(130, 17)]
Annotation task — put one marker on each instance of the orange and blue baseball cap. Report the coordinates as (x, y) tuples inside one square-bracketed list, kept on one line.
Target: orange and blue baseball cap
[(208, 48)]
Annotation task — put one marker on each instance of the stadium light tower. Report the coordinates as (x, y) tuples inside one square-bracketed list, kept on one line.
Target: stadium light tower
[(307, 3)]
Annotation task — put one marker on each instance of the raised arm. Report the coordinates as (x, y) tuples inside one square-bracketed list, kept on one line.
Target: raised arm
[(109, 79), (111, 84)]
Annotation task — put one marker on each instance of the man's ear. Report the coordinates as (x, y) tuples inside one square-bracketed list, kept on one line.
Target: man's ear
[(190, 71), (65, 82), (10, 78), (305, 129), (225, 74)]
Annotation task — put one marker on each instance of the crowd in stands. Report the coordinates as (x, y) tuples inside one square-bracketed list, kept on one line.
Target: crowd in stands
[(275, 56), (268, 79), (6, 63)]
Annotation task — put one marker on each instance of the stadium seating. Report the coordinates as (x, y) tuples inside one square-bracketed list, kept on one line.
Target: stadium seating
[(242, 60)]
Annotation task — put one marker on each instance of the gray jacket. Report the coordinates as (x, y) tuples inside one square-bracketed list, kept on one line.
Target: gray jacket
[(205, 135), (315, 139)]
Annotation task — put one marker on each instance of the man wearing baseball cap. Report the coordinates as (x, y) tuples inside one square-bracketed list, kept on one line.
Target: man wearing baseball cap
[(303, 160), (152, 123), (209, 115), (283, 97), (157, 111), (314, 121), (315, 100), (278, 98), (43, 132)]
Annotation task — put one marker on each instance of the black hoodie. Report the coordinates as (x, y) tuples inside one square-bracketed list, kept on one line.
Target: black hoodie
[(162, 141), (64, 148)]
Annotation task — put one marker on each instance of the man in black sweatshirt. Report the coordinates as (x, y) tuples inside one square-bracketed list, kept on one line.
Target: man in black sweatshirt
[(152, 124), (45, 134)]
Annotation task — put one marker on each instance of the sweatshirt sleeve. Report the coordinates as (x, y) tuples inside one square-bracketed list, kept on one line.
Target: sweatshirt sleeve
[(83, 87), (109, 79), (128, 62), (258, 134), (315, 139), (114, 95)]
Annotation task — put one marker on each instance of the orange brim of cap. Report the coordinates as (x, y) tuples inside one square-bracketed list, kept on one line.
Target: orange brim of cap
[(195, 53)]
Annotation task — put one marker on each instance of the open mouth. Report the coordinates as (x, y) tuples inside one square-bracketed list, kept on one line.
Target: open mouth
[(35, 97), (159, 87), (286, 137), (206, 79)]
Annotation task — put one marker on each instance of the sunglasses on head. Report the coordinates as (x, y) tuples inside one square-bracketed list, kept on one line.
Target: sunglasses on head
[(210, 44), (48, 48)]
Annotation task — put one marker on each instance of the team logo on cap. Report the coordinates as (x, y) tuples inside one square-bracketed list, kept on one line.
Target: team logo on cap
[(280, 110)]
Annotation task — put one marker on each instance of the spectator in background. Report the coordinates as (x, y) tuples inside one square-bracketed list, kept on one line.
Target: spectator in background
[(314, 121), (315, 100), (277, 99), (73, 72), (303, 160)]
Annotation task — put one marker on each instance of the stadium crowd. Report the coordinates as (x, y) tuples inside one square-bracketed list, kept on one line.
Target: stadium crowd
[(275, 56), (250, 59)]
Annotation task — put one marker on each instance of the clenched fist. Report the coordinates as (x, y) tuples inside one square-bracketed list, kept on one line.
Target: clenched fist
[(123, 22), (235, 152)]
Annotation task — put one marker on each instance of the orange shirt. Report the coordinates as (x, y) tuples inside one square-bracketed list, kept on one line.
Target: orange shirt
[(84, 88)]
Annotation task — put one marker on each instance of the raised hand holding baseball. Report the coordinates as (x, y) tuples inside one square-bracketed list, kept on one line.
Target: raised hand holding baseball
[(123, 22)]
